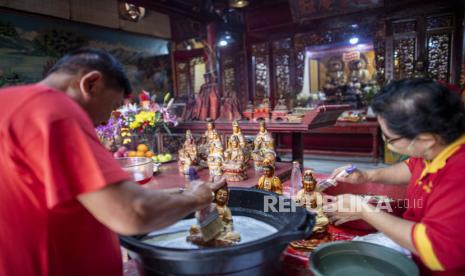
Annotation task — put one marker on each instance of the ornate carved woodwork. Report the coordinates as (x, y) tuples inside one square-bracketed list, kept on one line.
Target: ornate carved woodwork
[(261, 70)]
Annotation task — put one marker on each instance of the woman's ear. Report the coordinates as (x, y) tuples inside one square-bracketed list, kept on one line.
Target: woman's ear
[(90, 84)]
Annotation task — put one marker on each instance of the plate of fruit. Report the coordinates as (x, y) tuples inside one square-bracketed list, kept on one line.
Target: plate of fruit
[(163, 158)]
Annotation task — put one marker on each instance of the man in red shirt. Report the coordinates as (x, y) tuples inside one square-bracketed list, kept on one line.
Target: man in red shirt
[(62, 195), (426, 121)]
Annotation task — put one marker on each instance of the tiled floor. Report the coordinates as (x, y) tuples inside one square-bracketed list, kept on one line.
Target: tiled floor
[(322, 164)]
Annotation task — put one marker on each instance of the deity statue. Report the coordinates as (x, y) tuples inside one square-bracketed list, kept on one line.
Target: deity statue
[(207, 101), (242, 142), (268, 181), (187, 155), (210, 131), (249, 111), (215, 157), (205, 140), (420, 69), (263, 148), (312, 200), (281, 104), (230, 108), (234, 166), (227, 235), (335, 73), (249, 107), (359, 74)]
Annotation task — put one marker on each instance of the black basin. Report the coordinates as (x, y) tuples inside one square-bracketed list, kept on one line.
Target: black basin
[(259, 257)]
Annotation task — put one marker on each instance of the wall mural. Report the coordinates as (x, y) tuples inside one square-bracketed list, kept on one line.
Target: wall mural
[(30, 45)]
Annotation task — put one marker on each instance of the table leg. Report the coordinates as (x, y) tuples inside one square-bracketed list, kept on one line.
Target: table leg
[(297, 147)]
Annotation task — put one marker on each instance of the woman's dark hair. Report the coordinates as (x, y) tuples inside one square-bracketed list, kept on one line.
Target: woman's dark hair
[(414, 106), (94, 59)]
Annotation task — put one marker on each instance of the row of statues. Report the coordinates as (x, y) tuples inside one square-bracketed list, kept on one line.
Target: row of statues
[(233, 161), (208, 103)]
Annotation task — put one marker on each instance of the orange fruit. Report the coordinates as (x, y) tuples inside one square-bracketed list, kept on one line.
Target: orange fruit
[(132, 153), (142, 147), (140, 154), (149, 154)]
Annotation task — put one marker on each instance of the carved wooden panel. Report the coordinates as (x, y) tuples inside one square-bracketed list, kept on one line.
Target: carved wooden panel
[(192, 63), (439, 54), (282, 66), (261, 70), (404, 57), (229, 76), (182, 79), (404, 27), (439, 21)]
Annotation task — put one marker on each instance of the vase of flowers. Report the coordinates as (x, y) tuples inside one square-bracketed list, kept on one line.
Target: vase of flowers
[(134, 124)]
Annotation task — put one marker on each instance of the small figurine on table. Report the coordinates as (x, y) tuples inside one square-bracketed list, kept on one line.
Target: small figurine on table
[(187, 154), (268, 181), (210, 130), (227, 236), (234, 166), (204, 145), (312, 200), (263, 148), (248, 112), (280, 110), (215, 157), (237, 132)]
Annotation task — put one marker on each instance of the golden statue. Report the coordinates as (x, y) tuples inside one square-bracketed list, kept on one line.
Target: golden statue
[(187, 155), (215, 157), (268, 181), (312, 200), (234, 166), (210, 131), (281, 104), (242, 142), (263, 148), (204, 146), (227, 235)]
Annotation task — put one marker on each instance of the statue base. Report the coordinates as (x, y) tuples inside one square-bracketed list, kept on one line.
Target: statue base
[(279, 116)]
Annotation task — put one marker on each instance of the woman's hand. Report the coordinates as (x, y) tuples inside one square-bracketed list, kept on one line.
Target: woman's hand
[(345, 208), (356, 177)]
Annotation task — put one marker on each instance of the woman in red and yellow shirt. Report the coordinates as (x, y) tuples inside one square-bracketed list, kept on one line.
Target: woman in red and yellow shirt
[(426, 121)]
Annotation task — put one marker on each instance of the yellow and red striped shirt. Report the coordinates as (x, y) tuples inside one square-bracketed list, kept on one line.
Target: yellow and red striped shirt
[(436, 198)]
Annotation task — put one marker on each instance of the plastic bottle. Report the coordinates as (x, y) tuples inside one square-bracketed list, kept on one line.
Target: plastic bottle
[(296, 179)]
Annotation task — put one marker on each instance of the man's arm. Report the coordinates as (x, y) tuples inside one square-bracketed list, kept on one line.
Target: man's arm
[(128, 209)]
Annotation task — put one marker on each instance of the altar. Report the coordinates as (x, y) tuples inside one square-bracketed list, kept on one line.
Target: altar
[(321, 116)]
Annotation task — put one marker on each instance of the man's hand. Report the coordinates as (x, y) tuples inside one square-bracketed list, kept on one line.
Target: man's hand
[(205, 191)]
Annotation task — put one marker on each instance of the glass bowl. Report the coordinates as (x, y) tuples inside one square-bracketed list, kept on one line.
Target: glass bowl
[(139, 168)]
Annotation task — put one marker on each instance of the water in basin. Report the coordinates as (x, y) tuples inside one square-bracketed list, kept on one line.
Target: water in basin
[(175, 235)]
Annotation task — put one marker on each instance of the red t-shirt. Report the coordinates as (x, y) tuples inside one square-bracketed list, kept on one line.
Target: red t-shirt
[(50, 154), (436, 197)]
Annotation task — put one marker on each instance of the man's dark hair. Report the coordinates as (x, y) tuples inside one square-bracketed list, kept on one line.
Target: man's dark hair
[(89, 59), (414, 106)]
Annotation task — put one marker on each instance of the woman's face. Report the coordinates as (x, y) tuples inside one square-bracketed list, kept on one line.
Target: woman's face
[(399, 144)]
